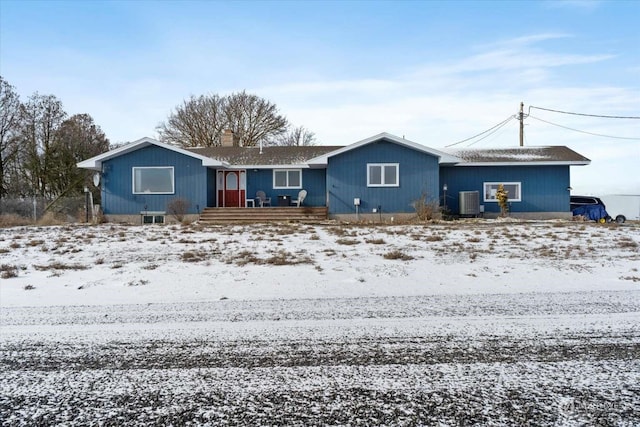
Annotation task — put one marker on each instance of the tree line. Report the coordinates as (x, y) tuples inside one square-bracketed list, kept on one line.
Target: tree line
[(40, 144)]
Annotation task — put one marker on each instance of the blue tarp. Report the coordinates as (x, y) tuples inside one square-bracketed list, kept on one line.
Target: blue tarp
[(592, 212)]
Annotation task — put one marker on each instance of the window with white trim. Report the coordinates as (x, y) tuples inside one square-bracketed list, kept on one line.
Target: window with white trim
[(383, 174), (287, 178), (514, 191), (153, 180), (153, 219)]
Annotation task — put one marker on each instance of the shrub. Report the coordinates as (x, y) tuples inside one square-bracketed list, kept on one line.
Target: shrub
[(57, 265), (51, 218), (282, 257), (502, 196), (341, 231), (8, 271), (178, 208), (347, 242), (13, 220), (190, 257), (397, 254), (627, 242), (426, 211)]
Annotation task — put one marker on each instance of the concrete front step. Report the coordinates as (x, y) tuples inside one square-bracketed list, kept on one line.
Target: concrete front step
[(267, 214)]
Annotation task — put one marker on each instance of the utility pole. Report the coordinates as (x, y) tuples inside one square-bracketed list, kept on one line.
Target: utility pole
[(521, 118)]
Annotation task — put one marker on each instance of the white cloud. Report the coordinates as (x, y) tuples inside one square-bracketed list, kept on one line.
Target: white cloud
[(442, 103), (437, 103)]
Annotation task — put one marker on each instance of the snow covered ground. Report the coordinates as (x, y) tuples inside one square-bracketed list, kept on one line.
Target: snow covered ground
[(490, 322)]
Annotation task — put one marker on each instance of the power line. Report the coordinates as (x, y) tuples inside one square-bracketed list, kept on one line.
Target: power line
[(494, 132), (583, 131), (583, 114), (502, 123)]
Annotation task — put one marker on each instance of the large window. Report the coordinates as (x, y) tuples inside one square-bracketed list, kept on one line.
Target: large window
[(287, 178), (383, 174), (153, 180), (514, 191)]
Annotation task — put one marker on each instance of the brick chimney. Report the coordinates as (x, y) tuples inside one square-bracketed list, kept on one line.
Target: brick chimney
[(229, 139)]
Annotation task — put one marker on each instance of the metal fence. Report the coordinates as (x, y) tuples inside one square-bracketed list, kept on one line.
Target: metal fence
[(71, 209)]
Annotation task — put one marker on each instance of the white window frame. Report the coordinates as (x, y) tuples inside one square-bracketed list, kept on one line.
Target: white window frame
[(287, 186), (133, 179), (487, 186), (154, 219), (383, 177)]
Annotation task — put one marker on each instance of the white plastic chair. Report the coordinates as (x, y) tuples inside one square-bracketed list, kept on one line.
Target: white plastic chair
[(301, 195)]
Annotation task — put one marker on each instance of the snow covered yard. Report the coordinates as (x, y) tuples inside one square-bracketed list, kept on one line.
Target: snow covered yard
[(496, 323)]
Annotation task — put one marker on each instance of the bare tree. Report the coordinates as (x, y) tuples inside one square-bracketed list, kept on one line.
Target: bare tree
[(40, 147), (41, 118), (10, 108), (199, 122), (78, 138), (296, 136), (253, 119)]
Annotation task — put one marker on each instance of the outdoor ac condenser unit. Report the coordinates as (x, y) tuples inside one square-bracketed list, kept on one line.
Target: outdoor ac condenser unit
[(470, 203)]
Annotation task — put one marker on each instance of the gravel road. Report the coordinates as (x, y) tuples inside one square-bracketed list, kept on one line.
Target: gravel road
[(505, 359)]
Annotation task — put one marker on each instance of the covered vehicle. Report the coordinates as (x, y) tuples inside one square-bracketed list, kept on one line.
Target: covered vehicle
[(592, 212)]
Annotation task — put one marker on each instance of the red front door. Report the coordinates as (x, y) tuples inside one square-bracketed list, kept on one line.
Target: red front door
[(231, 190)]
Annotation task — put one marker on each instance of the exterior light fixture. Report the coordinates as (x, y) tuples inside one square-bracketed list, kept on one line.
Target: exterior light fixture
[(444, 190)]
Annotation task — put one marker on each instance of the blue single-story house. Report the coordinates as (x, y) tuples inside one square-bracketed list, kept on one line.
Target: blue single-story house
[(383, 174)]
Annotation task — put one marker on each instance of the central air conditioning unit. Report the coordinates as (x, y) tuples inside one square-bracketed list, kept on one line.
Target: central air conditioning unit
[(469, 203)]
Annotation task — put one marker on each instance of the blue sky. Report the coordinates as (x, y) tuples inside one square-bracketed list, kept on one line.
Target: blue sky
[(434, 72)]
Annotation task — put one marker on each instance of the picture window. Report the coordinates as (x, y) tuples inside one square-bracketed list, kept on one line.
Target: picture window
[(153, 180)]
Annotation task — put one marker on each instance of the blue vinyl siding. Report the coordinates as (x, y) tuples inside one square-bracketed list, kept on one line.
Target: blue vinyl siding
[(313, 180), (347, 179), (117, 193), (544, 188)]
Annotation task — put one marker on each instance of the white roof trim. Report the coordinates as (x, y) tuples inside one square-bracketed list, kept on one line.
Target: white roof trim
[(546, 163), (442, 156), (95, 163)]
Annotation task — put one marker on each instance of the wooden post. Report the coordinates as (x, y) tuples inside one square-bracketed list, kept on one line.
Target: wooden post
[(521, 124)]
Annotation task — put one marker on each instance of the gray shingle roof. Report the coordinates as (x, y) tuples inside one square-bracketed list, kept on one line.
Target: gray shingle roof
[(295, 155), (270, 156), (528, 155)]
